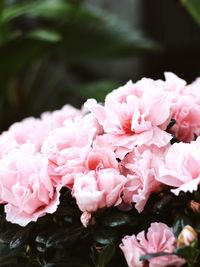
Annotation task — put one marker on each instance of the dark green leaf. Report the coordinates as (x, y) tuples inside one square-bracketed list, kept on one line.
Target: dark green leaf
[(105, 236), (180, 223), (189, 253), (66, 263), (67, 238), (106, 255), (154, 255), (117, 219), (20, 237)]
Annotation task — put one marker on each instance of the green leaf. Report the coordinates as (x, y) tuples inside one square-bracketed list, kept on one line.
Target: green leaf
[(105, 236), (193, 7), (45, 35), (20, 237), (66, 238), (149, 256), (106, 255), (51, 9), (116, 219), (180, 223), (189, 253)]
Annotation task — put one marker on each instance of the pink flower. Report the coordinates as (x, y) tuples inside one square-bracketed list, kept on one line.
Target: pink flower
[(67, 148), (134, 114), (25, 186), (86, 218), (35, 130), (173, 84), (139, 168), (186, 112), (159, 238), (185, 107), (58, 117), (181, 167), (29, 130), (101, 157), (96, 190)]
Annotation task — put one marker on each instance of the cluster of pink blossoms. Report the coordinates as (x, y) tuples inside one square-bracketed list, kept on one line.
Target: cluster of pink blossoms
[(111, 155)]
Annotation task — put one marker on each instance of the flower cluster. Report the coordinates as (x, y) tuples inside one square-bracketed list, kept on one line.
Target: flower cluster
[(142, 141)]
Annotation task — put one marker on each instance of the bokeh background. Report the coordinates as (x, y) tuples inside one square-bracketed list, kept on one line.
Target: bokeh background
[(54, 52)]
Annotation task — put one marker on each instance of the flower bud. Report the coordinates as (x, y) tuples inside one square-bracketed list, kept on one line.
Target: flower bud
[(195, 206), (87, 219), (187, 236)]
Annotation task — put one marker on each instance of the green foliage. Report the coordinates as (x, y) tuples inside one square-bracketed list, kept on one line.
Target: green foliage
[(43, 40), (193, 6)]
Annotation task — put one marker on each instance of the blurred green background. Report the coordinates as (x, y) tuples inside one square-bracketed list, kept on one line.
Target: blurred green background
[(54, 52)]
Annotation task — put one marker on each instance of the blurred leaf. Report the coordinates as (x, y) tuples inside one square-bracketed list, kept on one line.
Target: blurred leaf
[(51, 9), (45, 35), (193, 6), (97, 90)]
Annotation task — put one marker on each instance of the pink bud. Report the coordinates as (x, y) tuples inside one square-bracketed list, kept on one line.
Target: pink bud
[(187, 236)]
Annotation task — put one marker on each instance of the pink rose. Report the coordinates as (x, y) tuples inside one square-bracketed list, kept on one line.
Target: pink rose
[(25, 187), (131, 117), (139, 168), (181, 167), (67, 148), (159, 238), (96, 190)]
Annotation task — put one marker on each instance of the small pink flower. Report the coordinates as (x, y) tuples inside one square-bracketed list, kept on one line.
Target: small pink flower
[(25, 186), (58, 117), (186, 112), (67, 148), (158, 239), (181, 167), (141, 181), (185, 107), (134, 114), (96, 190), (29, 130)]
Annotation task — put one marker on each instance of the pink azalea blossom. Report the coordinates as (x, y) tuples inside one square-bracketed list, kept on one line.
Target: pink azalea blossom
[(25, 186), (96, 190), (58, 117), (35, 130), (185, 107), (181, 167), (141, 180), (158, 239), (131, 116), (67, 148)]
